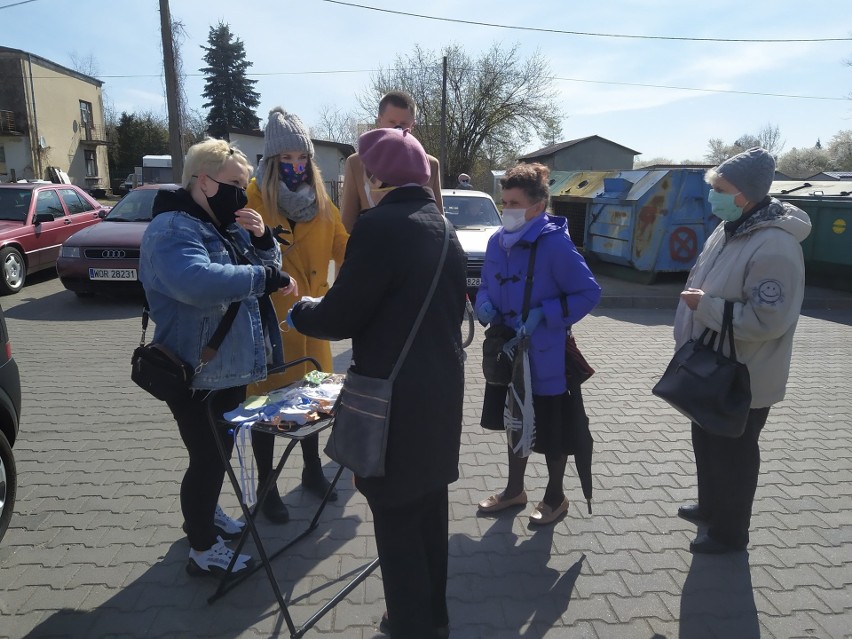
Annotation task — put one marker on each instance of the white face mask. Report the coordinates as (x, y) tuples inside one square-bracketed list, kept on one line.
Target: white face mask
[(369, 189), (513, 219)]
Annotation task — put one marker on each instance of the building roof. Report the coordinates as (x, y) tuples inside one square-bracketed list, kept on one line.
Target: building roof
[(555, 148), (836, 175), (345, 149), (52, 65)]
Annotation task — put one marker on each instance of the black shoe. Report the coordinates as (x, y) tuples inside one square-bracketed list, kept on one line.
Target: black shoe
[(441, 632), (314, 481), (705, 545), (273, 508), (691, 514)]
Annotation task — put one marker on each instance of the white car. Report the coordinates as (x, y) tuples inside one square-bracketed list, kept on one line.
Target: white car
[(475, 218)]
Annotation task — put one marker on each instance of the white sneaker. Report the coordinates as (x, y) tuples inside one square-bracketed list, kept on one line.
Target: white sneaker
[(215, 560), (227, 527)]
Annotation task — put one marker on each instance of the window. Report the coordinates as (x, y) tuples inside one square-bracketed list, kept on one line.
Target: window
[(91, 158), (3, 169), (74, 202), (85, 114), (48, 202)]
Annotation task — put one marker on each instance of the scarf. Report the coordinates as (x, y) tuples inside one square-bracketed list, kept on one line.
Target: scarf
[(299, 205)]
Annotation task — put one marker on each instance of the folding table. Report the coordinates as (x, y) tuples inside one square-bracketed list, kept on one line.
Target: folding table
[(228, 582)]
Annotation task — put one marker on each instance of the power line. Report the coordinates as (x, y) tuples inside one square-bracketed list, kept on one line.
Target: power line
[(16, 4), (666, 86), (582, 33)]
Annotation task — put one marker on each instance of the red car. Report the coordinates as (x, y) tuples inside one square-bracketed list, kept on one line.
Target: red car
[(105, 258), (35, 218)]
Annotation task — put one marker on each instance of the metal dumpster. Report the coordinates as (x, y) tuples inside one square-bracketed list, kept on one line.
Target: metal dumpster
[(650, 220), (828, 249)]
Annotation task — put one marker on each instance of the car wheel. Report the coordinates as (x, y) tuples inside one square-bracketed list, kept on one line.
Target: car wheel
[(8, 483), (14, 270)]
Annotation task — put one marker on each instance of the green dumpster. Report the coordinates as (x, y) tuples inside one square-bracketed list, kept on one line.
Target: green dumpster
[(828, 249)]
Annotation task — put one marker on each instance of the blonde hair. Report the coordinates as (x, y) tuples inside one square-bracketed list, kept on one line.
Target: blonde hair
[(208, 157), (271, 183), (711, 176)]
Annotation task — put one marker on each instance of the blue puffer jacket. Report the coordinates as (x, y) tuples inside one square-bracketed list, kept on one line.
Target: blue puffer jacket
[(190, 278), (563, 286)]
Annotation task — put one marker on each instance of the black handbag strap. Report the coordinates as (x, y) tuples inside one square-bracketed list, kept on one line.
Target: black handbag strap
[(525, 306), (728, 330), (426, 302), (212, 347)]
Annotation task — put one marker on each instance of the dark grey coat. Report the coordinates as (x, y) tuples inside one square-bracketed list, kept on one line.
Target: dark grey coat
[(390, 260)]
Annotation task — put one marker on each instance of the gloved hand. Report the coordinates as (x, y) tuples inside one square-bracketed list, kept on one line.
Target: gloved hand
[(275, 280), (534, 318), (486, 313)]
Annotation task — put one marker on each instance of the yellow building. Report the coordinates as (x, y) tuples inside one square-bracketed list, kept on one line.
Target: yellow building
[(51, 119)]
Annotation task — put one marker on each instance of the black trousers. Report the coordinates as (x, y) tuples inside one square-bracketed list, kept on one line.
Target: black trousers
[(263, 445), (413, 546), (727, 478), (202, 482)]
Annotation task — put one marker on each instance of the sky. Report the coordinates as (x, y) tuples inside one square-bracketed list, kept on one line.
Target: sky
[(597, 78)]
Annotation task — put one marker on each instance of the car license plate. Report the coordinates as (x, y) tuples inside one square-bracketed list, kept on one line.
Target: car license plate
[(474, 281), (112, 274)]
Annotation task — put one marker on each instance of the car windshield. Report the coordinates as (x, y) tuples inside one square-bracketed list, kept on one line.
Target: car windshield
[(470, 211), (134, 207), (14, 204)]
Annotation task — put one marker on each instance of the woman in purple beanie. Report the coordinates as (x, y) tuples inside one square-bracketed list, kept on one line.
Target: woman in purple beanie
[(390, 261)]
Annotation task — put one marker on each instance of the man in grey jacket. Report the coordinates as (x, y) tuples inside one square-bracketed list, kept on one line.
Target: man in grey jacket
[(753, 259)]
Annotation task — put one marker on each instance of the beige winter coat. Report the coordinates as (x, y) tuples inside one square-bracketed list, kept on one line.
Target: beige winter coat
[(760, 268)]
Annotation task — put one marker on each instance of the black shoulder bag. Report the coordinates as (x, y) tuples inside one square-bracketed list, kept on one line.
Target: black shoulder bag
[(359, 438), (709, 388), (496, 362), (156, 369)]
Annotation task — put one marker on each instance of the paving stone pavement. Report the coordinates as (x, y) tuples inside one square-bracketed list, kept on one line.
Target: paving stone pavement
[(95, 547)]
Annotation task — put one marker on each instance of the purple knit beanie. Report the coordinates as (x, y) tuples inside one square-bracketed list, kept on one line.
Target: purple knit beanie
[(394, 156)]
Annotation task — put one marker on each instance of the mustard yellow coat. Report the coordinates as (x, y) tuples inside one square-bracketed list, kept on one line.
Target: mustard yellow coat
[(313, 245)]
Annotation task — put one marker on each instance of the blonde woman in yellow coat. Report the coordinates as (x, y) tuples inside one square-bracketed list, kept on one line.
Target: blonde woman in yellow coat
[(288, 191)]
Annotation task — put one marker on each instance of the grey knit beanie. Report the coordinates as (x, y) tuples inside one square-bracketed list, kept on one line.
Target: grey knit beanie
[(285, 132), (751, 172)]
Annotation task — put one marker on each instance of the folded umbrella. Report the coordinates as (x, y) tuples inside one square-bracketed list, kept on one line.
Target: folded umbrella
[(582, 444)]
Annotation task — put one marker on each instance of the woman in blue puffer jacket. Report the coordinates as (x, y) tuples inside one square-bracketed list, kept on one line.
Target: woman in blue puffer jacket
[(563, 292)]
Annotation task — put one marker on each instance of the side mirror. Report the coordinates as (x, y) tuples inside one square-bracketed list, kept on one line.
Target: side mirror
[(40, 218), (102, 213)]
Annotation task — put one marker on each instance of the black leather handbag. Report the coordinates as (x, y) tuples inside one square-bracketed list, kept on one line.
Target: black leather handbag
[(708, 387), (359, 437), (157, 370)]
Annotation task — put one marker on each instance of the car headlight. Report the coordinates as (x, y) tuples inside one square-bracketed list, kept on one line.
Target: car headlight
[(69, 251)]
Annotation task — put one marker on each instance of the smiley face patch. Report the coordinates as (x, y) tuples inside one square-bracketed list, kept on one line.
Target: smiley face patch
[(769, 292)]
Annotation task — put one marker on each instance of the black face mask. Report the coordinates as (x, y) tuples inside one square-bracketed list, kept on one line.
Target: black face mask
[(228, 200)]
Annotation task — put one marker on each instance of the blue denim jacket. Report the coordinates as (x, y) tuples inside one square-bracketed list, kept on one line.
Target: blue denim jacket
[(190, 279)]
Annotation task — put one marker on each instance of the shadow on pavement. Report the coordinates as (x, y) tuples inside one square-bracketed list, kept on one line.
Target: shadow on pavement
[(164, 601), (65, 306), (496, 568), (718, 599)]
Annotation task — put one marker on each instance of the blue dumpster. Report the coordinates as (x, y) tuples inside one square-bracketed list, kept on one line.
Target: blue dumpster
[(650, 220)]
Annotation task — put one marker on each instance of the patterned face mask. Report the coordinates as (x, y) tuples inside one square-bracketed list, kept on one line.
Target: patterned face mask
[(293, 175)]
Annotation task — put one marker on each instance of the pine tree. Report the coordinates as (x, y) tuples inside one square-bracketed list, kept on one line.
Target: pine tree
[(230, 94), (818, 144)]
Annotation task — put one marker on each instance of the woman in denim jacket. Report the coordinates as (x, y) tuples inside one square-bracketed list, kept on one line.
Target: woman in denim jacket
[(202, 251)]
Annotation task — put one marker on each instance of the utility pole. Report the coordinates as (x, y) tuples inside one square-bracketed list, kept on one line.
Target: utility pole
[(444, 123), (172, 98)]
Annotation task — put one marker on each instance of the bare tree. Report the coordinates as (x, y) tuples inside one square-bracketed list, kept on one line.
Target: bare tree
[(840, 151), (769, 137), (803, 163), (639, 163), (498, 98), (337, 125), (718, 151), (85, 64)]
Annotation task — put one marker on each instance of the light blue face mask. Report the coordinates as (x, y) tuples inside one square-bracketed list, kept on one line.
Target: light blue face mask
[(723, 206)]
